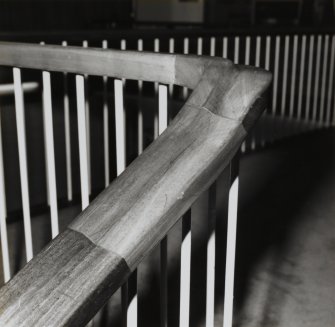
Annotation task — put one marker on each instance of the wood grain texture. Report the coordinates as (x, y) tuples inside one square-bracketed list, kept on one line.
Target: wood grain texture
[(82, 267)]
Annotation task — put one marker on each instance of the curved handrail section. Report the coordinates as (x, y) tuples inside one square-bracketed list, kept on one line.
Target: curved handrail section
[(71, 279)]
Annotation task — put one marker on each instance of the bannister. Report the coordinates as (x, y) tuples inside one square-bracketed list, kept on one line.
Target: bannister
[(71, 279)]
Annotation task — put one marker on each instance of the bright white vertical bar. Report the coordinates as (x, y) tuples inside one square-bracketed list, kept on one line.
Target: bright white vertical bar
[(21, 138), (247, 50), (301, 75), (106, 123), (3, 213), (275, 76), (236, 49), (163, 122), (225, 47), (119, 127), (199, 46), (139, 110), (45, 157), (330, 82), (309, 76), (67, 136), (163, 110), (185, 271), (324, 74), (171, 50), (88, 129), (258, 51), (156, 49), (186, 51), (210, 276), (123, 46), (294, 70), (231, 245), (212, 47), (267, 52), (317, 77), (82, 139), (51, 170), (284, 89)]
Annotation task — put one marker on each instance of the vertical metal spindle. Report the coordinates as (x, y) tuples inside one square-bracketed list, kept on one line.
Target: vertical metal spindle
[(3, 214), (225, 47), (139, 110), (210, 275), (301, 75), (50, 152), (323, 83), (258, 51), (199, 46), (294, 71), (275, 76), (21, 137), (330, 83), (156, 49), (212, 47), (163, 122), (67, 125), (284, 87), (309, 76), (82, 139), (186, 51), (317, 79), (231, 244), (236, 49), (185, 271), (171, 50), (106, 124), (247, 50), (88, 128)]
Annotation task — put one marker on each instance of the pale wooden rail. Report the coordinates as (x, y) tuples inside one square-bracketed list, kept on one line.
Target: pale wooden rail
[(71, 279)]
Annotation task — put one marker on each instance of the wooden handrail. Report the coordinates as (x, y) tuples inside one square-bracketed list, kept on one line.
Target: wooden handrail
[(71, 279)]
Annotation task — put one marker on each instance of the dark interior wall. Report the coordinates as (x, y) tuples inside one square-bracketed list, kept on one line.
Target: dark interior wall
[(63, 14)]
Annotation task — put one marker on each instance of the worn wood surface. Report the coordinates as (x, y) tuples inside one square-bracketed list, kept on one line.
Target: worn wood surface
[(71, 279)]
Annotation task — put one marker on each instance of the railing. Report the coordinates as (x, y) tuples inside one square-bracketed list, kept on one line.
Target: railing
[(73, 277), (302, 62)]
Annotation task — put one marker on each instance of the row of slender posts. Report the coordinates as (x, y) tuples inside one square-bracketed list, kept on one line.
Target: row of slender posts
[(303, 80)]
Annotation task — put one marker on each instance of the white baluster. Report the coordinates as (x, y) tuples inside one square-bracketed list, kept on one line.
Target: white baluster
[(301, 75), (212, 47), (317, 79), (247, 50), (186, 51), (82, 139), (50, 152), (88, 128), (330, 83), (294, 71), (225, 47), (106, 123), (323, 83), (21, 137), (275, 76), (309, 76), (67, 125), (284, 87), (231, 244), (185, 271), (3, 214), (210, 276), (163, 122)]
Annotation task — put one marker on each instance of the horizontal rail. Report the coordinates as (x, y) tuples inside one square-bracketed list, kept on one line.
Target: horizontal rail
[(161, 68), (79, 270)]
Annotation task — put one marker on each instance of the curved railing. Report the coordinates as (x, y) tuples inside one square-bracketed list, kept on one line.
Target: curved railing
[(72, 278)]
